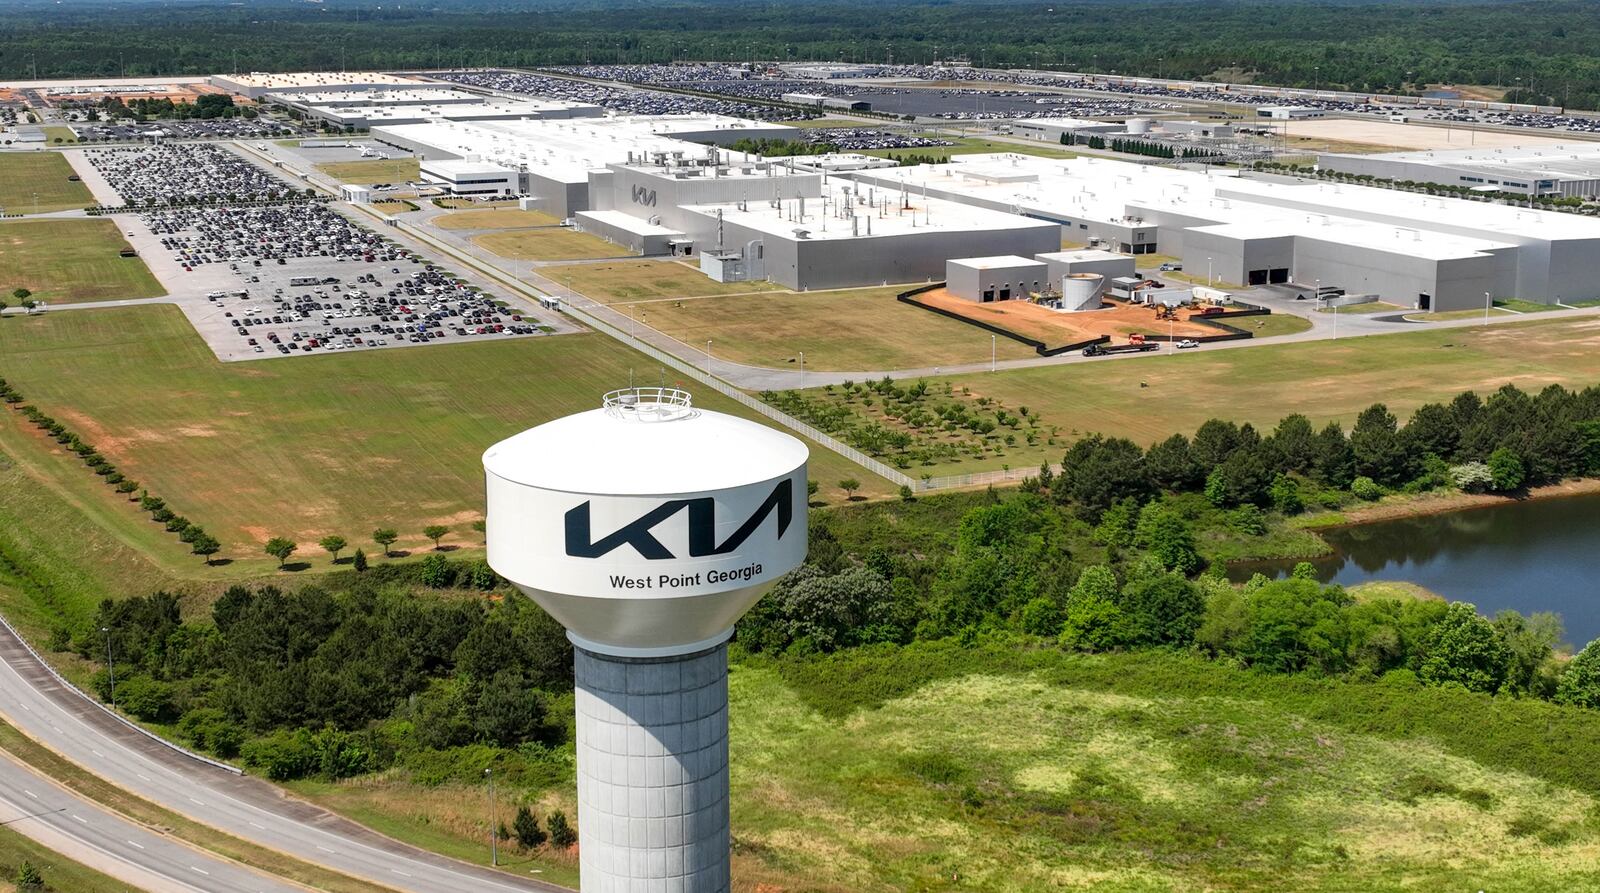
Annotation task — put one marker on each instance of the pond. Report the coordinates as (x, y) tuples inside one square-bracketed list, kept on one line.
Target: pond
[(1537, 555)]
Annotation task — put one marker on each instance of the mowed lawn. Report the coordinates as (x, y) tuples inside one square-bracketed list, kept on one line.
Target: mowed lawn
[(308, 446), (643, 280), (864, 328), (70, 261), (373, 170), (552, 243), (24, 175), (494, 218), (1148, 398)]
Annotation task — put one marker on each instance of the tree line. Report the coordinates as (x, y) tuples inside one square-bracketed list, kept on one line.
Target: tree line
[(1107, 556)]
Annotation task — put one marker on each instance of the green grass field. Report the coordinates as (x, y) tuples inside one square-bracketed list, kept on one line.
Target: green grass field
[(373, 170), (1143, 772), (70, 261), (1271, 326), (646, 280), (865, 328), (494, 218), (1149, 398), (26, 174), (299, 448), (59, 873), (59, 134), (968, 145), (551, 243)]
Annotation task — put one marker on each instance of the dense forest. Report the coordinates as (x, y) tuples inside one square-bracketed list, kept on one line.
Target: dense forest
[(1541, 50)]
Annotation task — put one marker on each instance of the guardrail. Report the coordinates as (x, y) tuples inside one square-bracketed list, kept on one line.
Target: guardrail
[(226, 767)]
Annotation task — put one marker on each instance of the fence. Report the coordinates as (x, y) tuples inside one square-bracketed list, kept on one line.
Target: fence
[(62, 680)]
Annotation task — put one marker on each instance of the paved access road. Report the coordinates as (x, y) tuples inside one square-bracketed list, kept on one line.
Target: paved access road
[(248, 808), (75, 827)]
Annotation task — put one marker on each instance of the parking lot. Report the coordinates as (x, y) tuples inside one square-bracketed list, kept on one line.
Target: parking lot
[(302, 279)]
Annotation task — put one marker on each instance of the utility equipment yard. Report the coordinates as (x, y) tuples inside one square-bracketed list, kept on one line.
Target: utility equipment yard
[(1115, 319)]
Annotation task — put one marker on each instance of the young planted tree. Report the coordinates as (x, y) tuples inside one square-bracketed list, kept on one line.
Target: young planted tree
[(205, 545), (359, 561), (435, 532), (385, 537), (850, 486), (526, 827), (280, 548), (562, 834), (333, 545)]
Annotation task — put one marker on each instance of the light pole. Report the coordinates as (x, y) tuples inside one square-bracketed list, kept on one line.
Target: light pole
[(708, 356), (802, 370), (494, 830), (1210, 281), (1487, 303), (992, 351), (111, 666)]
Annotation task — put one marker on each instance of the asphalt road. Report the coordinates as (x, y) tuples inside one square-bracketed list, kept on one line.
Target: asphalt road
[(80, 730), (75, 827)]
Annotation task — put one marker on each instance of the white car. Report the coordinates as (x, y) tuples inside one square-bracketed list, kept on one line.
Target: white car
[(1187, 343)]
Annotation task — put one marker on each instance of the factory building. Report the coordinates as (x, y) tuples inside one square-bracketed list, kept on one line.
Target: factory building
[(556, 158), (1107, 264), (1567, 169), (1050, 130), (840, 103), (1289, 112), (364, 107), (1412, 250), (257, 84), (989, 279), (827, 71), (461, 177)]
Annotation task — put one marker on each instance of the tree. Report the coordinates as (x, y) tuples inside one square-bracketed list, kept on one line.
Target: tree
[(1170, 466), (526, 828), (1213, 442), (359, 562), (1379, 451), (1334, 463), (1580, 684), (385, 537), (28, 879), (562, 834), (435, 532), (1295, 443), (1168, 537), (850, 486), (1097, 471), (280, 548), (21, 294), (333, 545), (1464, 648), (1506, 471), (1093, 620), (205, 545)]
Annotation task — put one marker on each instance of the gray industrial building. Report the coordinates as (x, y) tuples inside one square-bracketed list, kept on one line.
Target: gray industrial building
[(988, 279), (1567, 169), (1104, 263), (1413, 250)]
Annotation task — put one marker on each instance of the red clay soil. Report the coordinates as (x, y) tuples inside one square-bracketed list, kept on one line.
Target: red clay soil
[(1116, 318)]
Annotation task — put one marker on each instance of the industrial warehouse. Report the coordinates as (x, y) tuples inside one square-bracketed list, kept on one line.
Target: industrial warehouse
[(1567, 169), (1413, 250)]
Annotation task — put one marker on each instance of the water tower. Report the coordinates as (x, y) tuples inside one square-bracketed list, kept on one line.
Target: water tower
[(647, 528)]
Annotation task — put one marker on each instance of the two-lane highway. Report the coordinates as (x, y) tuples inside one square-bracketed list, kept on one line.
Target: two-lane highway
[(80, 830), (33, 700)]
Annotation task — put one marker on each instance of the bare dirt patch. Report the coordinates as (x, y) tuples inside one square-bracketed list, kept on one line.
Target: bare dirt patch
[(1116, 319)]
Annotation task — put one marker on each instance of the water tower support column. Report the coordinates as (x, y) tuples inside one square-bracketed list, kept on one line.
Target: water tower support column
[(653, 772)]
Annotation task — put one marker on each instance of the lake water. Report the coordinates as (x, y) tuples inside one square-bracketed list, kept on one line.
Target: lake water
[(1539, 555)]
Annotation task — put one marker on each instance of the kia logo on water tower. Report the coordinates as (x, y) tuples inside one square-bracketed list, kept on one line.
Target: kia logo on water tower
[(644, 196), (702, 527)]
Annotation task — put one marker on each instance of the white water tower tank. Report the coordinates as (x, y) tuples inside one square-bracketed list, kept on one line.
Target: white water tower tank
[(1081, 291), (647, 528), (1138, 125)]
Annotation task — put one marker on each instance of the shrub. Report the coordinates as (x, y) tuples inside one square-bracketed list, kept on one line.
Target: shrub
[(526, 827), (1472, 477), (562, 834), (1366, 488)]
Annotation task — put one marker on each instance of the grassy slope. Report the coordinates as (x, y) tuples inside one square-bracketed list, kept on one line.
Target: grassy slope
[(58, 872), (1018, 771), (1149, 398), (71, 261), (862, 329), (494, 218), (45, 173), (335, 444), (643, 280)]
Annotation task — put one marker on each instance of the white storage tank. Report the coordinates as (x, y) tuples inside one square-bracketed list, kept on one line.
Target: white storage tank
[(1081, 291), (647, 527), (1138, 125)]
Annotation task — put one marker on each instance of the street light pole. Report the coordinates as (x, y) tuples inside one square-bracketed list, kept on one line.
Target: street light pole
[(1487, 303), (111, 666), (802, 370), (992, 352), (1210, 280), (708, 356), (494, 829)]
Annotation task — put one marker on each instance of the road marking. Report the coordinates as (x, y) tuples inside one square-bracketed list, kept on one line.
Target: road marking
[(201, 870), (399, 872), (144, 776), (79, 819), (139, 845), (195, 802), (258, 827), (96, 753), (324, 849), (31, 794)]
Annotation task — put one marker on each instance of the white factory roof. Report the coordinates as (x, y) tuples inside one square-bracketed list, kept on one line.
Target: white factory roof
[(995, 262), (376, 96), (628, 223), (459, 167), (1082, 255), (923, 216), (477, 109), (1067, 123), (1104, 190), (567, 150), (1561, 161), (301, 80)]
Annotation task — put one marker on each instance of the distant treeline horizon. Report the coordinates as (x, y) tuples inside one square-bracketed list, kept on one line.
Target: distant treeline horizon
[(1541, 50)]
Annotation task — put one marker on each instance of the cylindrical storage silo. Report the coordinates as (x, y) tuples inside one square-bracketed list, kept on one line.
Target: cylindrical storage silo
[(1138, 125), (1081, 291), (647, 528)]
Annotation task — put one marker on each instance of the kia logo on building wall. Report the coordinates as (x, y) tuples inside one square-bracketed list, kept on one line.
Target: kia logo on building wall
[(644, 196), (702, 527)]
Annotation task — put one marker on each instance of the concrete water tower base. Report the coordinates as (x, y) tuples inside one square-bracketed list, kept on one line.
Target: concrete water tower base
[(653, 772)]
